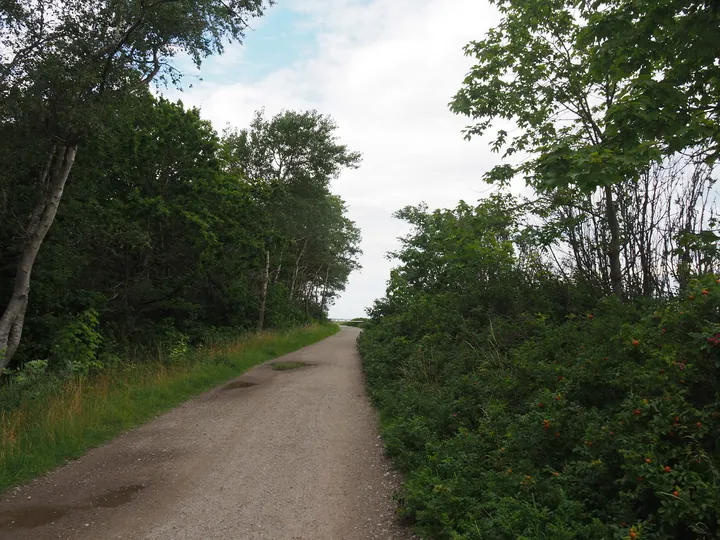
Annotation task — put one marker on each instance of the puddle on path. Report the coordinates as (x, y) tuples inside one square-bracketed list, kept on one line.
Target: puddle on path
[(35, 516), (32, 516), (238, 384), (286, 366), (117, 497)]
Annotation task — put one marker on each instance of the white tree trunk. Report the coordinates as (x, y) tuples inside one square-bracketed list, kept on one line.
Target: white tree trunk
[(325, 289), (53, 179), (297, 268), (279, 267), (263, 292)]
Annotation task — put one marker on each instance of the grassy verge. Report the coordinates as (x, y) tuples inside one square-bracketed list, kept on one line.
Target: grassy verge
[(80, 414)]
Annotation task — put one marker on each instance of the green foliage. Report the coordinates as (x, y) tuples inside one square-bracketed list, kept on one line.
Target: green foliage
[(596, 93), (158, 244), (30, 372), (520, 407), (295, 156), (667, 52), (179, 349), (77, 344), (160, 229)]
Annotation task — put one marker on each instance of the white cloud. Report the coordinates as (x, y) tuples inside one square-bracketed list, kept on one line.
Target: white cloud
[(385, 70)]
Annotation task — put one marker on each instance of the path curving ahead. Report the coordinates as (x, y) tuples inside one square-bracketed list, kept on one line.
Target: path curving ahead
[(294, 456)]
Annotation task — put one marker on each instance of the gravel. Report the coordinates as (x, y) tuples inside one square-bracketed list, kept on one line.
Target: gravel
[(294, 455)]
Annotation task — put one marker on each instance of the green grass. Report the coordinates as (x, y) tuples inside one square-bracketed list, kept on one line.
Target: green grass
[(285, 366), (62, 424)]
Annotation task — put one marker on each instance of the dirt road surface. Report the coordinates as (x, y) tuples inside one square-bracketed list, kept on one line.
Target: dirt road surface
[(283, 455)]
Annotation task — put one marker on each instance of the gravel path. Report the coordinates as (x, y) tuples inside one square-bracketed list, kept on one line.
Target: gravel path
[(296, 455)]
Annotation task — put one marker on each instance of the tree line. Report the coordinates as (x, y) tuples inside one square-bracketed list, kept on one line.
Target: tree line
[(126, 221), (548, 366)]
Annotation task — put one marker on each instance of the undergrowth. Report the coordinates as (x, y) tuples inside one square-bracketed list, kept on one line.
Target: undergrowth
[(604, 425)]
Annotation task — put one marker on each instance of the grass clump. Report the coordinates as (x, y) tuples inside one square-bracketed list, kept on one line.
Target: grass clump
[(62, 419)]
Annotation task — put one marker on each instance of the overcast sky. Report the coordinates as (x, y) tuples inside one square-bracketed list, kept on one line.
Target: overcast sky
[(385, 70)]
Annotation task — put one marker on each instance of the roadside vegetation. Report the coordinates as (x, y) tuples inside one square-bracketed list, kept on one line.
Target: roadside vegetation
[(48, 421), (549, 366)]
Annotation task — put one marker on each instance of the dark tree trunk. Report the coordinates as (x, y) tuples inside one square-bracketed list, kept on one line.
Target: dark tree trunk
[(614, 248)]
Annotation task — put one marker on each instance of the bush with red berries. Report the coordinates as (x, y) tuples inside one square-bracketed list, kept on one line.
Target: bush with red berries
[(605, 426)]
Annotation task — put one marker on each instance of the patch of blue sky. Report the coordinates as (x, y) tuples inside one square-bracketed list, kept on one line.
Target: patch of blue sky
[(280, 39)]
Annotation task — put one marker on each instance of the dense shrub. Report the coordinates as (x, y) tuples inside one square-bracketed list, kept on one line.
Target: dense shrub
[(538, 418), (604, 426)]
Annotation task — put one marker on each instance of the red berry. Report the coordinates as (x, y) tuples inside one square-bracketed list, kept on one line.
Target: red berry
[(648, 460), (705, 292), (676, 493), (591, 316), (667, 469), (557, 434), (699, 424), (635, 342), (540, 405), (636, 412)]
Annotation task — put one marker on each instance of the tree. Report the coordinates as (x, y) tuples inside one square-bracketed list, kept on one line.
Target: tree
[(295, 148), (534, 70), (297, 155), (63, 64), (667, 51)]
